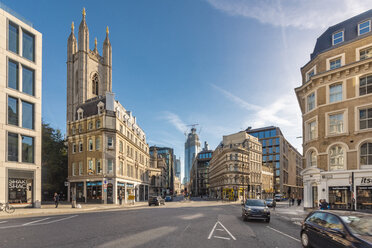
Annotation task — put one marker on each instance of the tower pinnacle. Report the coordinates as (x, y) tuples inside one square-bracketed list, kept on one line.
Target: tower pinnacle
[(84, 13), (72, 27)]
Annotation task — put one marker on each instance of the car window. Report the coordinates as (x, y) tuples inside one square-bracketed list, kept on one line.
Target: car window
[(318, 218), (255, 203), (359, 225), (333, 222)]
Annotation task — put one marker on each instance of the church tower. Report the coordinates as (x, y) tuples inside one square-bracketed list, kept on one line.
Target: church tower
[(88, 73)]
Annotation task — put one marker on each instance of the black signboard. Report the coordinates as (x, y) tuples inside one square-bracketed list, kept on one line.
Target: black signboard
[(364, 187), (339, 188)]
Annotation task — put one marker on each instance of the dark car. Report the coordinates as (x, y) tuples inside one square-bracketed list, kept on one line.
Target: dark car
[(256, 209), (271, 203), (337, 229), (279, 197), (156, 200), (168, 198)]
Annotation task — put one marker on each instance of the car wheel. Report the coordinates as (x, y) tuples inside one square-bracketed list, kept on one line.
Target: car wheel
[(305, 240), (158, 204)]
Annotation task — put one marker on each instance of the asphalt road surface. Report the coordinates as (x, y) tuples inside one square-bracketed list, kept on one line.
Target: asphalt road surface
[(177, 224)]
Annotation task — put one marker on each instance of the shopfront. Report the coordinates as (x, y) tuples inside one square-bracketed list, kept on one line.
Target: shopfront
[(20, 187), (94, 192), (121, 190), (79, 187), (364, 197), (130, 190), (340, 197)]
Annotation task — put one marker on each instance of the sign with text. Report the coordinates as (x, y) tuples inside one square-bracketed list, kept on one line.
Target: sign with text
[(17, 183), (366, 181), (131, 197)]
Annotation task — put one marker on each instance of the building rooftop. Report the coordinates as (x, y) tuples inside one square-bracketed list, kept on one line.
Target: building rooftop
[(350, 28)]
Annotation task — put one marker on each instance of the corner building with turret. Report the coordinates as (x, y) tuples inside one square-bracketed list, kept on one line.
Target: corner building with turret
[(107, 151)]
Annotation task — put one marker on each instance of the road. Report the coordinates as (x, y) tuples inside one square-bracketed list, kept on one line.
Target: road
[(177, 224)]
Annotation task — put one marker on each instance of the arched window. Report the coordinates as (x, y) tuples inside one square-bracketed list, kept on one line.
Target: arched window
[(312, 159), (95, 84), (366, 154), (336, 158)]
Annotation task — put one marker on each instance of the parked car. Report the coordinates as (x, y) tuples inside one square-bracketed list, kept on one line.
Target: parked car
[(279, 197), (337, 229), (271, 203), (156, 200), (256, 209), (168, 198)]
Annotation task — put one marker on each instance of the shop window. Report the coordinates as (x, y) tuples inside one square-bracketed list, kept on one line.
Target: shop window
[(366, 154), (20, 190), (340, 197), (364, 197), (336, 158)]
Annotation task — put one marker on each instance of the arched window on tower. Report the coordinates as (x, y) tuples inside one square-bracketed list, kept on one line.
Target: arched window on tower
[(95, 84)]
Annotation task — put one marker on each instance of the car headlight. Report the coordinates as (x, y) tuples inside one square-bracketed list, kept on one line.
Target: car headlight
[(248, 209), (266, 210)]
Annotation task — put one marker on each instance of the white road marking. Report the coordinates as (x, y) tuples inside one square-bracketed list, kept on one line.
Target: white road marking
[(32, 222), (283, 234), (219, 229), (221, 237), (1, 222), (53, 221)]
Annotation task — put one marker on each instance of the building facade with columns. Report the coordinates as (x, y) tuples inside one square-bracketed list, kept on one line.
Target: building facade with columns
[(335, 98), (20, 110), (107, 151), (235, 170)]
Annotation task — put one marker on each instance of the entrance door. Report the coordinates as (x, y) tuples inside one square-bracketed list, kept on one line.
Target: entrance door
[(110, 193), (315, 196)]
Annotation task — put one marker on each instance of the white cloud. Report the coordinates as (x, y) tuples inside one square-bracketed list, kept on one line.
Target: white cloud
[(294, 13), (175, 120)]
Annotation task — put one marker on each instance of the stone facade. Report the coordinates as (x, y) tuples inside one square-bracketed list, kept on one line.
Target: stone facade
[(199, 175), (157, 173), (20, 111), (107, 151), (235, 170), (335, 99)]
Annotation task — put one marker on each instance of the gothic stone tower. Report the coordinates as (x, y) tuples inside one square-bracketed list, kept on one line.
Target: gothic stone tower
[(88, 73)]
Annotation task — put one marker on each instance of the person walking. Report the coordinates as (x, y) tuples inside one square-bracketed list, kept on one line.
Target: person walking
[(323, 204), (120, 198), (293, 201), (299, 201), (56, 199)]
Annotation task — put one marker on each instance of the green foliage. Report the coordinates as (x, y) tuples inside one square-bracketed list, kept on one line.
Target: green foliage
[(54, 161)]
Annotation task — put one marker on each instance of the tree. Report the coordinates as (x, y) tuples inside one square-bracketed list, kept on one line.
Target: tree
[(54, 162)]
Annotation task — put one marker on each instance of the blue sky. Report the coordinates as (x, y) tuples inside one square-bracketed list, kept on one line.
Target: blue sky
[(224, 64)]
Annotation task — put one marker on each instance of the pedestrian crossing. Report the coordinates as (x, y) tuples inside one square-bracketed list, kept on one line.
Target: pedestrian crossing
[(27, 222)]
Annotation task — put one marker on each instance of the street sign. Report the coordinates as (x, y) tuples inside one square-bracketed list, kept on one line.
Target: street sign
[(66, 184)]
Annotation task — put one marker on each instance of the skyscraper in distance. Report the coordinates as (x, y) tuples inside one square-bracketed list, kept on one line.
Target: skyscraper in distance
[(192, 148)]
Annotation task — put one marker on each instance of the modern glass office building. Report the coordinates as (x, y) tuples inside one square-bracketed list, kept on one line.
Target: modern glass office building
[(192, 148)]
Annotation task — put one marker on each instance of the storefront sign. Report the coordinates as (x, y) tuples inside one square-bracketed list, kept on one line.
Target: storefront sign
[(121, 184), (130, 185), (17, 183), (340, 188), (366, 181), (364, 187)]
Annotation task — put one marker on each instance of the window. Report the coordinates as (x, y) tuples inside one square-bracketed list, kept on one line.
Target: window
[(90, 167), (13, 42), (80, 147), (74, 148), (90, 125), (80, 128), (12, 147), (28, 46), (80, 168), (365, 118), (336, 63), (121, 168), (121, 146), (73, 130), (365, 85), (13, 111), (13, 80), (27, 115), (335, 93), (311, 101), (90, 145), (365, 53), (27, 149), (98, 124), (364, 27), (277, 157), (28, 80), (311, 130), (109, 166), (98, 166), (336, 158), (95, 84), (277, 165), (109, 142), (312, 159), (336, 124), (366, 154), (121, 128), (309, 75), (338, 37), (98, 143), (73, 169)]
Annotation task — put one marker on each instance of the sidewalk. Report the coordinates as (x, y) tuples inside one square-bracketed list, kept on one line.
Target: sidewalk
[(65, 208)]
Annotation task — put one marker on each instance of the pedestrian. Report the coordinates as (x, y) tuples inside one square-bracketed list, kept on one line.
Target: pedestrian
[(120, 199), (323, 204), (293, 201), (299, 201), (56, 199)]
